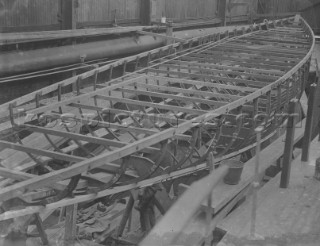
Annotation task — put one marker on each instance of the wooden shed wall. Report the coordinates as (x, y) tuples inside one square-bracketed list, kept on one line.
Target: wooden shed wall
[(241, 8), (312, 16), (33, 15), (29, 14), (95, 12), (181, 10)]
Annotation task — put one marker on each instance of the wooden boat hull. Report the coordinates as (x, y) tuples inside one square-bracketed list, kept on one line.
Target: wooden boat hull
[(156, 123)]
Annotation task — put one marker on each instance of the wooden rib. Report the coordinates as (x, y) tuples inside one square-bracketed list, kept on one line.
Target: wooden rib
[(239, 68), (206, 76), (14, 174), (88, 95), (220, 58), (166, 80), (173, 119), (55, 155), (253, 53), (74, 136), (171, 96), (191, 92), (153, 105), (201, 69), (236, 61), (253, 46), (234, 56)]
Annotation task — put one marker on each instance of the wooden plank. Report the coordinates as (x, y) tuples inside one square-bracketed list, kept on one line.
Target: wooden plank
[(233, 56), (41, 230), (75, 136), (201, 69), (206, 76), (235, 68), (166, 80), (167, 118), (182, 99), (183, 210), (239, 62), (252, 54), (309, 127), (58, 156), (288, 148), (70, 225), (153, 105)]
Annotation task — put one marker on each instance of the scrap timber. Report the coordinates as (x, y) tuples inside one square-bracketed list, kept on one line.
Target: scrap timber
[(172, 107)]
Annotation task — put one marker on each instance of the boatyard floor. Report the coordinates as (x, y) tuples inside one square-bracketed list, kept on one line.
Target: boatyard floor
[(284, 216)]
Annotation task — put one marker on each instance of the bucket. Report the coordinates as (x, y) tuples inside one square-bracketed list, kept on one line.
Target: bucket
[(233, 175)]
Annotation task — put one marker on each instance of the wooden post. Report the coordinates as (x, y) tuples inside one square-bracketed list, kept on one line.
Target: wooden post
[(145, 12), (70, 225), (125, 216), (255, 185), (288, 148), (308, 127), (208, 238), (169, 32), (41, 230), (222, 11)]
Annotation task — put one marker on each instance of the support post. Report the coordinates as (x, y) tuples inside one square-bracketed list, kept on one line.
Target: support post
[(125, 216), (169, 32), (308, 127), (222, 11), (208, 238), (70, 225), (255, 184), (288, 148), (41, 230)]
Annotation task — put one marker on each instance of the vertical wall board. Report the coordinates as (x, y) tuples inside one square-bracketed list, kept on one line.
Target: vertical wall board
[(105, 10), (238, 8), (182, 10), (24, 13)]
